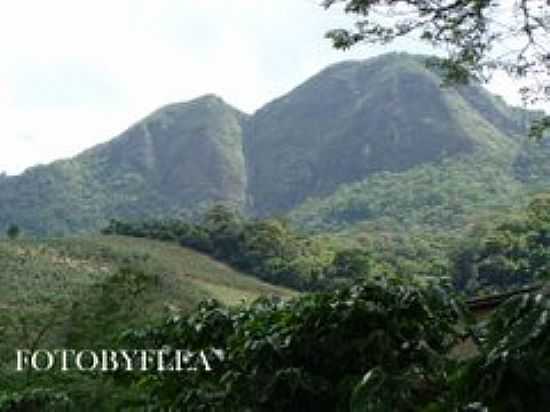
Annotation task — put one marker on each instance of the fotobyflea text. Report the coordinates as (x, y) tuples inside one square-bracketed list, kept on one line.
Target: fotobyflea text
[(161, 360)]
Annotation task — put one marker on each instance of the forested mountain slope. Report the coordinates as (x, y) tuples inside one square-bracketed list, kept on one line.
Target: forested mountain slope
[(175, 160), (356, 119)]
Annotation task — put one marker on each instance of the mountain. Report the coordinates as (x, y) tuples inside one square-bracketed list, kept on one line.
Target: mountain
[(355, 119), (177, 159), (361, 127)]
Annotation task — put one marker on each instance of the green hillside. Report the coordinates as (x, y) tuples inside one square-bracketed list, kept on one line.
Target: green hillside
[(446, 195), (83, 292), (75, 291)]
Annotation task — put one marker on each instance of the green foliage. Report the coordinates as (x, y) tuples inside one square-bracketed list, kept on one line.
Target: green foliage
[(484, 254), (270, 249), (114, 304), (354, 263), (419, 254), (379, 346), (512, 371), (540, 128), (384, 343), (437, 197), (308, 353), (512, 252), (34, 400), (531, 166), (13, 232)]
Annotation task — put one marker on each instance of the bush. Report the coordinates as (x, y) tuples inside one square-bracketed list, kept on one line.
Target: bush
[(310, 353), (13, 232)]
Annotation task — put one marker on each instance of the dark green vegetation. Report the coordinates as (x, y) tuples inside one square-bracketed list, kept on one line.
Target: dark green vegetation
[(369, 138), (382, 338), (377, 343), (308, 354), (384, 344), (512, 251), (507, 251), (269, 249), (382, 331), (13, 232), (380, 345)]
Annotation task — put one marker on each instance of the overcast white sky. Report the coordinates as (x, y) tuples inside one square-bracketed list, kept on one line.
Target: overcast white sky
[(74, 73)]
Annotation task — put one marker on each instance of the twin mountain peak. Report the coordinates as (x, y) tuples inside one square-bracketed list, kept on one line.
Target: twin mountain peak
[(352, 120)]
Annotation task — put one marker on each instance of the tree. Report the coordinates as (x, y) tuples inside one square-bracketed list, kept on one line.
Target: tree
[(352, 263), (224, 225), (478, 37), (13, 232), (511, 251)]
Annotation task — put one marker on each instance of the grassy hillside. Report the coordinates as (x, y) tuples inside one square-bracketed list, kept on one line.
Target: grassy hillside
[(77, 291), (83, 292)]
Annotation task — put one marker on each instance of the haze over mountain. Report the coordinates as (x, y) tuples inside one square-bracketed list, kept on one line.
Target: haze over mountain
[(352, 122)]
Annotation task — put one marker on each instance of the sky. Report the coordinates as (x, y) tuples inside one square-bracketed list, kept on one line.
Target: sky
[(76, 73)]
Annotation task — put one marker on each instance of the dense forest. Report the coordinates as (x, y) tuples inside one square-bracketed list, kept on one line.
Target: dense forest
[(510, 250)]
